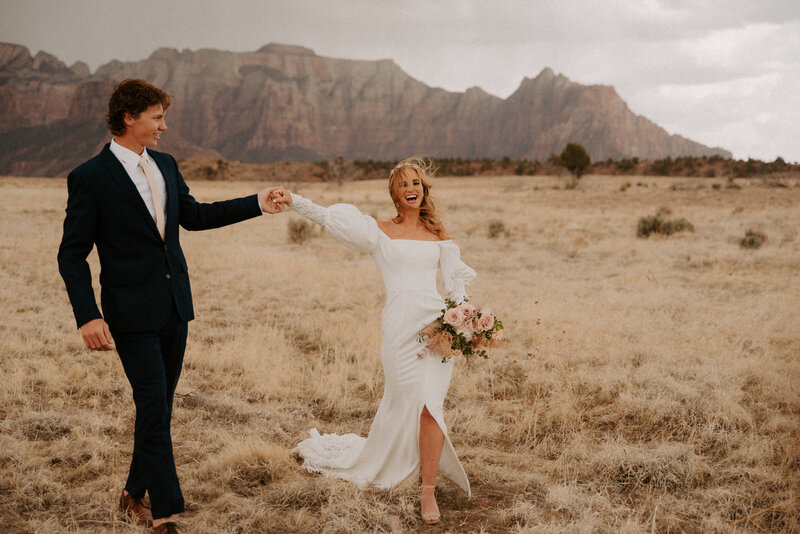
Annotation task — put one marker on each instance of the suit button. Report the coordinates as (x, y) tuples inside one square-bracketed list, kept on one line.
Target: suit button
[(165, 246), (168, 277)]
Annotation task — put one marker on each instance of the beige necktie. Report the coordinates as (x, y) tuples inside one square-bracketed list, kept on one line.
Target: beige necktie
[(158, 202)]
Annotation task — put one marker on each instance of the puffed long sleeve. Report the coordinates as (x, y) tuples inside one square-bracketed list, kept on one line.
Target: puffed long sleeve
[(344, 222), (456, 274)]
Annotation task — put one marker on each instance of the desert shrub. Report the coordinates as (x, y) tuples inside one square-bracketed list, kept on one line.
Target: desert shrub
[(527, 168), (497, 228), (574, 158), (648, 225), (299, 231), (752, 239), (624, 165), (624, 187), (659, 224), (678, 225), (716, 187), (662, 167)]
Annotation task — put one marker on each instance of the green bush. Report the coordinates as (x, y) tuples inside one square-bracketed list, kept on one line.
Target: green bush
[(497, 228), (752, 239), (299, 231), (662, 167), (658, 224), (574, 158), (678, 225)]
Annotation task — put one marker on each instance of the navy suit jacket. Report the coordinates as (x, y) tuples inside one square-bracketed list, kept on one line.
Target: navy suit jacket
[(141, 275)]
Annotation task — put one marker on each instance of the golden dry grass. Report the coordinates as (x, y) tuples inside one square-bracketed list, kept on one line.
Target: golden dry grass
[(646, 385)]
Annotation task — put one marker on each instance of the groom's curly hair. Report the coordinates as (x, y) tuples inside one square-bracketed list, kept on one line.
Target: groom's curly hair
[(132, 96)]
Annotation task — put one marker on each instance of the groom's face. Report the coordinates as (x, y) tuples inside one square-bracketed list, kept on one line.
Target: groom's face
[(146, 129)]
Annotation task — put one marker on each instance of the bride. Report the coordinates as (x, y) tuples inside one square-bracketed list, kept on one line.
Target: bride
[(408, 434)]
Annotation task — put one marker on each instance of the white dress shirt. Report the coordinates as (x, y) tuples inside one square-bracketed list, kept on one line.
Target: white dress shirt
[(130, 160)]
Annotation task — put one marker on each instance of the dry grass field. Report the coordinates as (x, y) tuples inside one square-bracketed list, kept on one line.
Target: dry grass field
[(646, 385)]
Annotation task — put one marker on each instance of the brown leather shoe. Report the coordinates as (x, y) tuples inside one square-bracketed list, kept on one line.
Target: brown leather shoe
[(165, 528), (135, 509)]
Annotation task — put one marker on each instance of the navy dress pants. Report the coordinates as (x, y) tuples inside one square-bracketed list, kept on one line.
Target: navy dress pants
[(152, 363)]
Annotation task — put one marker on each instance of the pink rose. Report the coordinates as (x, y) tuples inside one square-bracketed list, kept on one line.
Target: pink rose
[(468, 310), (486, 322), (454, 316)]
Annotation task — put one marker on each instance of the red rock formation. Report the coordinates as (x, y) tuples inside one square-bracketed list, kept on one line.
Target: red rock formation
[(285, 102)]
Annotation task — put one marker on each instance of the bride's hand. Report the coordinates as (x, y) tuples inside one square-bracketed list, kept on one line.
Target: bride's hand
[(281, 196), (265, 201)]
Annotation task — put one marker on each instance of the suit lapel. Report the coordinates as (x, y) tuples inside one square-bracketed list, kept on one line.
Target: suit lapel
[(126, 185)]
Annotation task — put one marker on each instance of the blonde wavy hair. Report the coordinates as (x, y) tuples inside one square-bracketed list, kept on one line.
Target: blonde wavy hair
[(425, 170)]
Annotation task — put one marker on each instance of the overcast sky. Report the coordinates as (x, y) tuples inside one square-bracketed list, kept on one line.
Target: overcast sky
[(722, 72)]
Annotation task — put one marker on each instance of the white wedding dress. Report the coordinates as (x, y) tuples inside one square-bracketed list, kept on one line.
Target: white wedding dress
[(390, 453)]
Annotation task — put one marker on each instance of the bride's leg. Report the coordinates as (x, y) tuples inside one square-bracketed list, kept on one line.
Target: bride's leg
[(431, 440)]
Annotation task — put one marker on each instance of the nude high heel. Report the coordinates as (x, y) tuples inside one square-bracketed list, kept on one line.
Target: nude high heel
[(433, 518)]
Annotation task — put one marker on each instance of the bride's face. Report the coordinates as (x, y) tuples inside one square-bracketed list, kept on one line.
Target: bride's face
[(409, 190)]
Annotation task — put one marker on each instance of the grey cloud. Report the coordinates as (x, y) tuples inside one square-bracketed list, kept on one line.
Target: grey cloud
[(706, 51)]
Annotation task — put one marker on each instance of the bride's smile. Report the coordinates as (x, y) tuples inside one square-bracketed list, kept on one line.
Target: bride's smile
[(411, 191)]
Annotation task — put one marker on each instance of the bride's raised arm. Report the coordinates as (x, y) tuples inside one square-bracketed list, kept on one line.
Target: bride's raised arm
[(344, 222)]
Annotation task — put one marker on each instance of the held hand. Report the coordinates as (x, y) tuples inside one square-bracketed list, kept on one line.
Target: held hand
[(96, 335), (281, 196), (266, 202)]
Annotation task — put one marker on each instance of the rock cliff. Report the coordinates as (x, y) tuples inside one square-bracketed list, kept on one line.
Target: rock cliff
[(287, 103)]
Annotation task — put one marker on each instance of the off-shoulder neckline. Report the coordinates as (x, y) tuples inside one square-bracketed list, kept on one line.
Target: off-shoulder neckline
[(420, 240)]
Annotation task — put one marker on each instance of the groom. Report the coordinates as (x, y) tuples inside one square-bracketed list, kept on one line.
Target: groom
[(128, 201)]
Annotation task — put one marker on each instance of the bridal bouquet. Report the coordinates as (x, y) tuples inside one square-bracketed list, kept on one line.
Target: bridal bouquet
[(461, 329)]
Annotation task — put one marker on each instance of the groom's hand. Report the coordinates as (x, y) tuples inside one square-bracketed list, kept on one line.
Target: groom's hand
[(96, 335), (265, 200), (281, 196)]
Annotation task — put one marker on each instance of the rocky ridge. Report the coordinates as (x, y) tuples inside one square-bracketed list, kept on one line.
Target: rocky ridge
[(287, 103)]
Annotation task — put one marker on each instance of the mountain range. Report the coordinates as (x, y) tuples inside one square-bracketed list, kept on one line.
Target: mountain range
[(287, 103)]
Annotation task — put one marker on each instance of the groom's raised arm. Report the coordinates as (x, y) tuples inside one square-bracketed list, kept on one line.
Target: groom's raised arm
[(196, 215)]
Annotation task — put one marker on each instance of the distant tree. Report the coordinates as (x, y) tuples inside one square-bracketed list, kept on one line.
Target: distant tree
[(574, 158), (337, 170)]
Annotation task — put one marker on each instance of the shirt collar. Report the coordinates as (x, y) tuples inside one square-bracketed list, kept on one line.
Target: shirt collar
[(126, 155)]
